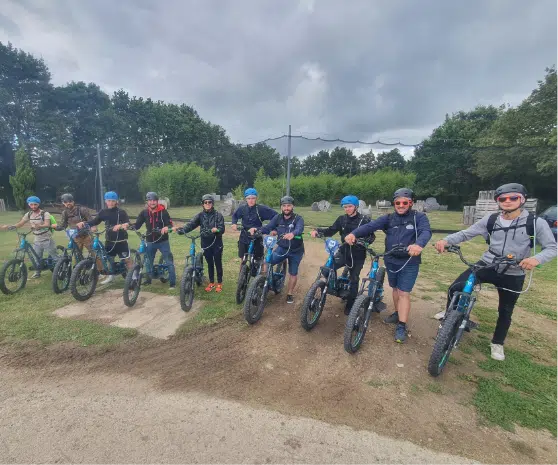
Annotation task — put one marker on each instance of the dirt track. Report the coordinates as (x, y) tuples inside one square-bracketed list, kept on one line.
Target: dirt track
[(274, 364)]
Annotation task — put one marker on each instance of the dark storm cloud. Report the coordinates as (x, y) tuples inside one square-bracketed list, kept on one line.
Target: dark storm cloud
[(358, 69)]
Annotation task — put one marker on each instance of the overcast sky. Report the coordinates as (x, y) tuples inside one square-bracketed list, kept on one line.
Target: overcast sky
[(355, 69)]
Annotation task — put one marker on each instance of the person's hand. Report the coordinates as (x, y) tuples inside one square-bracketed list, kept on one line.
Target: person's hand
[(314, 233), (165, 230), (234, 227), (288, 236), (273, 233), (441, 246), (3, 227), (80, 225), (117, 227), (125, 226), (252, 231), (214, 230), (529, 263), (414, 250), (350, 239)]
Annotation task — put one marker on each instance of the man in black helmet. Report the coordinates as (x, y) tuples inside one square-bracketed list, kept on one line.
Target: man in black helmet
[(289, 227), (513, 231), (71, 216), (156, 216), (408, 228)]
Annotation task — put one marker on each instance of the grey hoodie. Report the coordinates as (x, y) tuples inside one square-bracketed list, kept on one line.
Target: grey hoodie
[(513, 241)]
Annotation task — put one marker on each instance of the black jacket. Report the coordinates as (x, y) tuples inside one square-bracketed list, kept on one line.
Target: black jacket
[(345, 225), (157, 219), (111, 217), (206, 221)]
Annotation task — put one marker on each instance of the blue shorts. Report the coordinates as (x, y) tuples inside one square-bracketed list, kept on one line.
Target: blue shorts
[(405, 279), (280, 254)]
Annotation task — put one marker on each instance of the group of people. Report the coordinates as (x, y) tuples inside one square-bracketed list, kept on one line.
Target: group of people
[(512, 230)]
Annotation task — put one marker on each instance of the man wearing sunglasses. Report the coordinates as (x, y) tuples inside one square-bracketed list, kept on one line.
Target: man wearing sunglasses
[(507, 232), (408, 228)]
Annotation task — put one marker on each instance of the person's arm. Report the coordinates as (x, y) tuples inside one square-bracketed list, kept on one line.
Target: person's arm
[(85, 213), (424, 232), (336, 227), (266, 213), (220, 223), (546, 239), (374, 225), (480, 228), (193, 224), (272, 225), (299, 226), (97, 220), (140, 220), (237, 215)]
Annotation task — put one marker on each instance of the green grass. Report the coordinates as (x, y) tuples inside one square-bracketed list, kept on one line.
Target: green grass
[(435, 388)]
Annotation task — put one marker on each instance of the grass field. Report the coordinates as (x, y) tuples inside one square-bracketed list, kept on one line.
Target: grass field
[(520, 391)]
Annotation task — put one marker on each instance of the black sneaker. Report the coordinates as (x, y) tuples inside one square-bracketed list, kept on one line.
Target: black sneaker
[(348, 306), (290, 299), (471, 325), (392, 319), (380, 306)]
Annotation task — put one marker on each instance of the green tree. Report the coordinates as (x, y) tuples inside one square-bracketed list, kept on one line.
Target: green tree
[(23, 182), (367, 162), (313, 165), (390, 160)]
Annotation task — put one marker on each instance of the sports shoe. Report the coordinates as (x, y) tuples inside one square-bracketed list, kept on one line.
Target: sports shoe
[(497, 352), (348, 306), (400, 332), (219, 288), (471, 325), (109, 279), (172, 288), (290, 299), (380, 306), (392, 319), (440, 315), (210, 287), (36, 275)]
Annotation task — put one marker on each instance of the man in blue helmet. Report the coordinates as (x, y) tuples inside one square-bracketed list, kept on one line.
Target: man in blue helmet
[(116, 223), (349, 255), (252, 215), (408, 228), (42, 223)]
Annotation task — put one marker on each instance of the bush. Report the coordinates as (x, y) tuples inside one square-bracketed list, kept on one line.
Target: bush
[(308, 189), (182, 183)]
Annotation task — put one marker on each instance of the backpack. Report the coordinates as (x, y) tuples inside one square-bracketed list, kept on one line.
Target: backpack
[(529, 226), (52, 222)]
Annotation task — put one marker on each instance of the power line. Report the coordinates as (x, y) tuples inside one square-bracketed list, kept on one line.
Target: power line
[(430, 142)]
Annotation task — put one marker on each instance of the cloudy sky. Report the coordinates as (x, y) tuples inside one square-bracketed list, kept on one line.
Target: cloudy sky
[(355, 69)]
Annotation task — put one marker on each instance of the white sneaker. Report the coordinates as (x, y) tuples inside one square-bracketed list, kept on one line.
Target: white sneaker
[(440, 315), (497, 352), (109, 279)]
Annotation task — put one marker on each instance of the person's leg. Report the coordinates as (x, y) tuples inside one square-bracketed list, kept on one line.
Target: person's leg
[(242, 249), (354, 276), (294, 259), (151, 250), (392, 280), (406, 279), (259, 253), (208, 254), (39, 247), (507, 301), (218, 258), (164, 248)]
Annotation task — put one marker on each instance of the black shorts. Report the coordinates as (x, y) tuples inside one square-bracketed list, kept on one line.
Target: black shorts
[(120, 249), (258, 249)]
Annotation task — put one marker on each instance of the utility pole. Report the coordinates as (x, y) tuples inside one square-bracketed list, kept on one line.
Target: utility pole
[(100, 175), (289, 163)]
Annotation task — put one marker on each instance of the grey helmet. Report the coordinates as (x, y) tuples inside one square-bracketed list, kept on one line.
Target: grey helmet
[(151, 196), (208, 197), (512, 187), (404, 192), (67, 198), (287, 199)]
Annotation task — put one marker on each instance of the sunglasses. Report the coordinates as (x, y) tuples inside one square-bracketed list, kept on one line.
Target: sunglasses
[(403, 203), (506, 198), (207, 202), (510, 198)]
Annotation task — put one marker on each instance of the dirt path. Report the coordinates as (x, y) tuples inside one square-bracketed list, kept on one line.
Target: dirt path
[(276, 364)]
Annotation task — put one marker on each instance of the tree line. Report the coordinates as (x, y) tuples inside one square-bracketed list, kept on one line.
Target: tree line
[(49, 136)]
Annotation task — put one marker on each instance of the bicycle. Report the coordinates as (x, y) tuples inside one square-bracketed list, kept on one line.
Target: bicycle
[(86, 273), (370, 294), (63, 269), (143, 268), (256, 295), (193, 273), (14, 271), (326, 283), (457, 314), (249, 268)]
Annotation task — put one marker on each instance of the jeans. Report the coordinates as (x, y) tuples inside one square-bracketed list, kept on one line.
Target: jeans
[(164, 248)]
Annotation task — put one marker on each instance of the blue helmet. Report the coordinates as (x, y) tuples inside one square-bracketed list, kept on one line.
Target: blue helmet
[(350, 200), (111, 196), (250, 191), (33, 199)]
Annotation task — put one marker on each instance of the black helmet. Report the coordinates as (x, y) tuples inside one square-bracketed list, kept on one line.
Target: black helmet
[(151, 196), (207, 197), (509, 188), (67, 198), (287, 199), (404, 192)]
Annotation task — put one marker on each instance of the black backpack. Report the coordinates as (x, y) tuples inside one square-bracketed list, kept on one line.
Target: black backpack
[(529, 226)]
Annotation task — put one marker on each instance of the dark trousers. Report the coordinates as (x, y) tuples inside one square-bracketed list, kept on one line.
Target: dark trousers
[(214, 257), (507, 299), (342, 259)]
